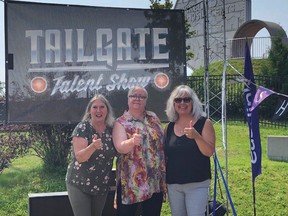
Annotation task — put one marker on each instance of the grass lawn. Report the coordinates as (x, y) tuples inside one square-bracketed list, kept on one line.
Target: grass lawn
[(26, 175)]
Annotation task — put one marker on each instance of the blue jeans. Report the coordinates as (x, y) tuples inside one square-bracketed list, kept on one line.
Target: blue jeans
[(188, 199)]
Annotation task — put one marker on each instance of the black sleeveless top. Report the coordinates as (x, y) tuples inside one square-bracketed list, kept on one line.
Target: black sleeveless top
[(184, 161)]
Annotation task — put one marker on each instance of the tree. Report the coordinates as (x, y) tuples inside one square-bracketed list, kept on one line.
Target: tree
[(277, 64), (155, 4), (278, 56)]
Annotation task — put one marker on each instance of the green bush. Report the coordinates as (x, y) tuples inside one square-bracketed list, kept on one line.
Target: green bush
[(52, 144), (13, 143)]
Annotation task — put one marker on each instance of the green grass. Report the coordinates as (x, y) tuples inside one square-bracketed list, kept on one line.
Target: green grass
[(26, 175), (216, 68), (271, 186)]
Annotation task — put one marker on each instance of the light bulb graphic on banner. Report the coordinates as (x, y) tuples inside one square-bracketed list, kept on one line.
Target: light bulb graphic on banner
[(38, 84), (161, 80)]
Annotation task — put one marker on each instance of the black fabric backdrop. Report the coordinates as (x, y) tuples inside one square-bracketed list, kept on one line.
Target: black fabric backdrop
[(59, 56)]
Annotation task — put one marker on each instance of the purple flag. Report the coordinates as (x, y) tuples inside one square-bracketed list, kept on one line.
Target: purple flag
[(261, 94), (252, 117)]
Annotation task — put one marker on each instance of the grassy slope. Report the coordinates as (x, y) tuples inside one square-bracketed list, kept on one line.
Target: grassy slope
[(26, 176), (217, 67)]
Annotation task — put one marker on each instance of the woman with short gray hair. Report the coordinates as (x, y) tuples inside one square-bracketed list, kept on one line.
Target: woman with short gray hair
[(140, 169)]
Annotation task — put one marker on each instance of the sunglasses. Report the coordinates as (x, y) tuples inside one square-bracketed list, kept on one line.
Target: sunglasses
[(137, 97), (185, 100)]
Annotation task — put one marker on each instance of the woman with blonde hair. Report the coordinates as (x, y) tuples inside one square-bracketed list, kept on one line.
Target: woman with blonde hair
[(93, 153)]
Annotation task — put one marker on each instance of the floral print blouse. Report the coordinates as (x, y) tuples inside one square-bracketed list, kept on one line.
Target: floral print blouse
[(141, 172), (93, 175)]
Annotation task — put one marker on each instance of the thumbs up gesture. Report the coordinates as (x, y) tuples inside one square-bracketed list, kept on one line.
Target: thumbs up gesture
[(137, 138), (96, 142), (190, 131)]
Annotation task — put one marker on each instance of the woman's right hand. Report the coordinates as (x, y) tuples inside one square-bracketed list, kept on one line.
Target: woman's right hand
[(137, 138)]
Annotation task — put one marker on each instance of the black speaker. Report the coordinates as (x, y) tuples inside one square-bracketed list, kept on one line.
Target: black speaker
[(58, 204), (49, 204)]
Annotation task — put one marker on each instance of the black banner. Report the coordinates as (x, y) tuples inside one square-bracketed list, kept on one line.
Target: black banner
[(61, 55), (282, 107)]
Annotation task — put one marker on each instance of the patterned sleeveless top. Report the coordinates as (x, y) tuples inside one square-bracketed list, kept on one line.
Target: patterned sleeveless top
[(141, 172)]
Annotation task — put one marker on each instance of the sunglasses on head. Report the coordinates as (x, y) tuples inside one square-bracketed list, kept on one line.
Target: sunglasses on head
[(185, 100)]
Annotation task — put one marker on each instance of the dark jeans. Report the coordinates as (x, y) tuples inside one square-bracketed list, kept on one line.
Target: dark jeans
[(150, 207)]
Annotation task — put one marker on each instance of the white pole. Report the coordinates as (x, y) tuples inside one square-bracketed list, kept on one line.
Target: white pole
[(224, 115)]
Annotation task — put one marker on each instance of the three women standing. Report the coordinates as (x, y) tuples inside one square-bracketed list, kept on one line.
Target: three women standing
[(140, 168)]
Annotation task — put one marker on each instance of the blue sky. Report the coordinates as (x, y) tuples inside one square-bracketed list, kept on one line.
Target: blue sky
[(267, 10)]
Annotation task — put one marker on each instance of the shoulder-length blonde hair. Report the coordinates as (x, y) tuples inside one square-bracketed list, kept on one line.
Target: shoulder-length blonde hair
[(197, 106), (110, 114)]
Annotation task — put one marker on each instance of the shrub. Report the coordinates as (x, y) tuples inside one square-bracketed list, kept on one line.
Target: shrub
[(52, 144), (14, 142)]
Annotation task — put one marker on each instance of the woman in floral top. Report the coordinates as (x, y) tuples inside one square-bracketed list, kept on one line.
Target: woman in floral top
[(93, 153), (140, 172)]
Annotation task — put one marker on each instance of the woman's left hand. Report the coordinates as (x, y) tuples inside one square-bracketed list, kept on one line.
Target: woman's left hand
[(97, 142), (205, 141), (190, 132)]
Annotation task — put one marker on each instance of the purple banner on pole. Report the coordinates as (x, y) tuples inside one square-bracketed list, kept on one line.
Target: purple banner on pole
[(261, 94), (252, 117)]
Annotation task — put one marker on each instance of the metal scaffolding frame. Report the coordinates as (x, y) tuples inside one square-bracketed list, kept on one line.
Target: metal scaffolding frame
[(208, 94)]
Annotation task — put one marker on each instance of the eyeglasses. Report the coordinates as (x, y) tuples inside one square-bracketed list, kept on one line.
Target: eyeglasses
[(137, 97), (185, 100)]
